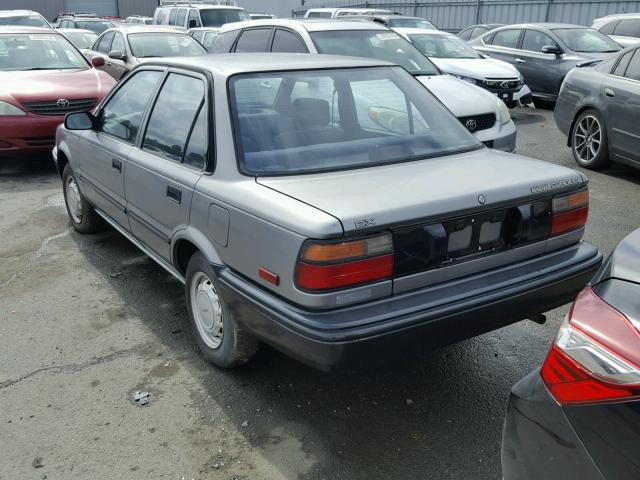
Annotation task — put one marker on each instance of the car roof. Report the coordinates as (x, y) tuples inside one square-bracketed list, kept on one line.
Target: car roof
[(21, 29), (227, 64), (200, 6), (620, 15), (548, 26), (74, 30), (309, 24), (17, 13)]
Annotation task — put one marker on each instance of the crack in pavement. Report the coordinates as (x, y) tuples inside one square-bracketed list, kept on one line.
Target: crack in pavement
[(71, 368)]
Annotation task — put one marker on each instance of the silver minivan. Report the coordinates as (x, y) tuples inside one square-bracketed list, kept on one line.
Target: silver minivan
[(325, 205), (196, 14)]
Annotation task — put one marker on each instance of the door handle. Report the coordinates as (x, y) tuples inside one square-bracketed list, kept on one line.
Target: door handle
[(116, 164), (174, 194), (519, 60), (609, 93)]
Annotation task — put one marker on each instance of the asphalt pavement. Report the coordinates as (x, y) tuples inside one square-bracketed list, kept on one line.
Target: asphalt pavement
[(88, 321)]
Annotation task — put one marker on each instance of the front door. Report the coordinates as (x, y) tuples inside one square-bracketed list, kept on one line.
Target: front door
[(116, 67), (538, 69), (163, 172), (103, 152)]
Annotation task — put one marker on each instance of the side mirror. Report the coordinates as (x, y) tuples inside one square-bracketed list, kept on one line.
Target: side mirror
[(192, 24), (552, 49), (97, 62), (79, 121), (116, 55)]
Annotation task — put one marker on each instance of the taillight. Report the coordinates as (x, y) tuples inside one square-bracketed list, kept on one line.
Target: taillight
[(595, 356), (332, 265), (569, 212)]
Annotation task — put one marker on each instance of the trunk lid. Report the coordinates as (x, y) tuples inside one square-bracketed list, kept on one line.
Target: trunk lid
[(412, 192)]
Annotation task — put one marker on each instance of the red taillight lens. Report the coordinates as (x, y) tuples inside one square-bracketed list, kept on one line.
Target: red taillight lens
[(570, 212), (595, 356), (328, 266)]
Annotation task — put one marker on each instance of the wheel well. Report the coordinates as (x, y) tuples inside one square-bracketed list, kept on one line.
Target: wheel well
[(573, 122), (183, 252), (61, 163)]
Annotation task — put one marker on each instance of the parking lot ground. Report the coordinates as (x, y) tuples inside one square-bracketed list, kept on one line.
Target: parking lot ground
[(89, 320)]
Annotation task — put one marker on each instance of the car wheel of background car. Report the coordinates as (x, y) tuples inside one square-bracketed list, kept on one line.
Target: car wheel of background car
[(219, 337), (589, 141), (82, 215)]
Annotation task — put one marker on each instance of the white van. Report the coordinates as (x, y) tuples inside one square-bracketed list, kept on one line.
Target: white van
[(341, 12), (195, 14)]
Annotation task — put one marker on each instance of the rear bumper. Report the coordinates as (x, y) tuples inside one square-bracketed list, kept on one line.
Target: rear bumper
[(428, 317), (28, 134)]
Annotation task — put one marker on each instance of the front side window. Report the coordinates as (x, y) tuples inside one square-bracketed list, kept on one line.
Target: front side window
[(208, 40), (180, 99), (147, 45), (379, 44), (118, 43), (253, 40), (628, 28), (338, 119), (586, 40), (104, 44), (216, 17), (442, 46), (39, 51), (122, 115), (224, 42), (535, 40), (477, 32), (506, 38), (287, 42)]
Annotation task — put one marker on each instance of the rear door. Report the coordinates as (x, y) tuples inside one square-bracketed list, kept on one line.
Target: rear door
[(539, 69), (165, 168), (254, 40), (621, 94), (503, 45), (101, 48), (102, 152), (286, 41)]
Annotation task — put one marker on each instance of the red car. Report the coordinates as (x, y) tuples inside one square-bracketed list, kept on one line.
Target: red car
[(42, 77)]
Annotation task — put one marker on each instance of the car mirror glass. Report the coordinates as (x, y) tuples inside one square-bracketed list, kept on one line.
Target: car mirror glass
[(79, 121)]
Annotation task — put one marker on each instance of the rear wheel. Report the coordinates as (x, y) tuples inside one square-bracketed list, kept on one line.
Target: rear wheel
[(220, 338), (589, 142), (82, 215)]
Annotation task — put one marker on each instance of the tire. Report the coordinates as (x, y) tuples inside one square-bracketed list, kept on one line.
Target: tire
[(589, 141), (82, 215), (219, 337)]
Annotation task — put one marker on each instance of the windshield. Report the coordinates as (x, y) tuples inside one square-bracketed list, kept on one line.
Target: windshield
[(24, 21), (81, 39), (306, 121), (410, 23), (379, 44), (145, 45), (586, 40), (442, 46), (216, 17), (97, 26), (38, 51)]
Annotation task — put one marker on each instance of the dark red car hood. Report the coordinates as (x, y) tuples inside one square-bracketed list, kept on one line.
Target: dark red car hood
[(43, 85)]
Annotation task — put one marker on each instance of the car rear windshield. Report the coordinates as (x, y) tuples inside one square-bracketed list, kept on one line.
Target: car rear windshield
[(216, 17), (38, 51), (308, 121), (24, 21), (442, 46), (586, 40), (410, 23), (145, 45), (95, 26), (379, 44)]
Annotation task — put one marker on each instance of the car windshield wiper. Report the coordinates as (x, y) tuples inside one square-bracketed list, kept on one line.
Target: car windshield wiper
[(424, 72), (49, 68)]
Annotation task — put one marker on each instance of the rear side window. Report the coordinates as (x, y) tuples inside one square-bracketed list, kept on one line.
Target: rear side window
[(465, 34), (478, 31), (172, 16), (622, 64), (169, 139), (208, 40), (197, 146), (182, 14), (607, 28), (254, 40), (224, 42), (506, 38), (122, 115), (287, 42), (633, 70), (628, 28), (534, 40), (198, 36)]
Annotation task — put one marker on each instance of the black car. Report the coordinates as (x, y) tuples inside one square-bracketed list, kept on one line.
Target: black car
[(578, 416)]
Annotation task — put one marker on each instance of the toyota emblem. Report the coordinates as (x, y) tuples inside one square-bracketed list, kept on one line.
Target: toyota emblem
[(504, 84), (481, 199), (471, 125), (63, 103)]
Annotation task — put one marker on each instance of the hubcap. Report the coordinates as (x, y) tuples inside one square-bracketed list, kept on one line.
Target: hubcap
[(587, 138), (207, 310), (73, 200)]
